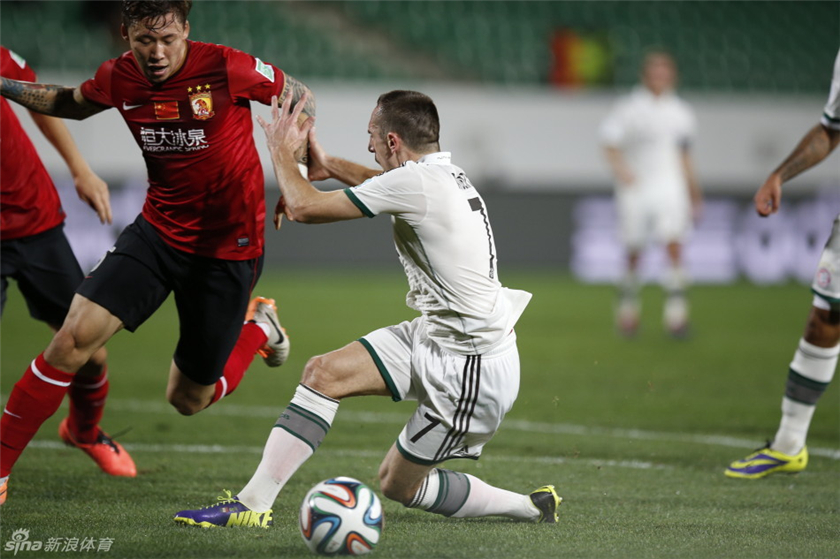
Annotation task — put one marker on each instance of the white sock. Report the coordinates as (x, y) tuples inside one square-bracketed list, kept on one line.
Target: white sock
[(283, 455), (292, 441), (793, 429), (811, 370), (486, 500)]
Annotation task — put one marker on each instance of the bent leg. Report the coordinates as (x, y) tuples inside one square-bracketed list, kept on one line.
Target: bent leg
[(86, 329), (449, 493), (304, 423), (37, 395), (216, 344), (186, 395)]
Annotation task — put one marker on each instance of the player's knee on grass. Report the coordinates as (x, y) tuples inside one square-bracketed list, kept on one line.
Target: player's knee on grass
[(395, 489)]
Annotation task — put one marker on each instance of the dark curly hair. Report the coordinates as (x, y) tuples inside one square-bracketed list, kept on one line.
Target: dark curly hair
[(155, 11)]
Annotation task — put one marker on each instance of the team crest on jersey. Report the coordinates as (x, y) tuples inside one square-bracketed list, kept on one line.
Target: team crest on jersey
[(823, 278), (201, 102)]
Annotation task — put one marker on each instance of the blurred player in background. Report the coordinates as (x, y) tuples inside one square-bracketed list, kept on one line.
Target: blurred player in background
[(459, 359), (200, 234), (815, 359), (647, 139), (35, 253)]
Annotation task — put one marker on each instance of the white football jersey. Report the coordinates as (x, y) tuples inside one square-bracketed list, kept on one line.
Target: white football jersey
[(831, 112), (443, 236), (651, 131)]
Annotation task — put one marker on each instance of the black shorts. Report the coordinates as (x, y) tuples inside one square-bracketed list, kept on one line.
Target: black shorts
[(46, 271), (137, 274)]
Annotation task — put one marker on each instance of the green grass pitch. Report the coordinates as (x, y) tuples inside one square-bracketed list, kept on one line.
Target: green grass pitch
[(634, 434)]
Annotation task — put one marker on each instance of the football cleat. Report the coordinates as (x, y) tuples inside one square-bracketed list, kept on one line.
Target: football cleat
[(229, 512), (108, 454), (3, 489), (275, 351), (547, 502), (766, 461)]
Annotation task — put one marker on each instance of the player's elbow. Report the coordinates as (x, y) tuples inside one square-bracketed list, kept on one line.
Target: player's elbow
[(303, 213)]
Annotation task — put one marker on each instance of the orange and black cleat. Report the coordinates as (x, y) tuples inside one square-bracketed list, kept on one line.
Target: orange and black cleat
[(108, 454)]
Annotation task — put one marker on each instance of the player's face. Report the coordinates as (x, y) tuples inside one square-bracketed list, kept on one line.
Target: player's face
[(659, 73), (378, 144), (160, 50)]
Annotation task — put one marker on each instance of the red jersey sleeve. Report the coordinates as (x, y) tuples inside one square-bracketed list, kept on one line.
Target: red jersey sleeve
[(15, 67), (98, 89), (252, 79)]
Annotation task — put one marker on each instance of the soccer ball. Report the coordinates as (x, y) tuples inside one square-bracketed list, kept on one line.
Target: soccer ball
[(341, 516)]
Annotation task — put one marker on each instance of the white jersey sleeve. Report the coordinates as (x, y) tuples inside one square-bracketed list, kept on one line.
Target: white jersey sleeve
[(831, 112), (397, 192)]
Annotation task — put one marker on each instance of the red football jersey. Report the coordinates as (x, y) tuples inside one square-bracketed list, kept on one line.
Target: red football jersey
[(29, 203), (206, 193)]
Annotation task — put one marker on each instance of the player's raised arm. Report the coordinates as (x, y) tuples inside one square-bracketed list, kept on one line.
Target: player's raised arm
[(51, 100), (815, 146), (286, 137)]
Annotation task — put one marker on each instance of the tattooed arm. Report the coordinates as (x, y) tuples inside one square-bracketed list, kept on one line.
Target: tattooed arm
[(296, 89), (52, 100), (815, 146)]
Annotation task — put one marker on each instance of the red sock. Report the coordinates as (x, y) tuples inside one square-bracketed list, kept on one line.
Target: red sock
[(87, 403), (250, 340), (33, 400)]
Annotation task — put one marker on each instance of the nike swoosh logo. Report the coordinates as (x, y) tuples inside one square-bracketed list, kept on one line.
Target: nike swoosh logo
[(276, 327), (12, 414), (127, 107)]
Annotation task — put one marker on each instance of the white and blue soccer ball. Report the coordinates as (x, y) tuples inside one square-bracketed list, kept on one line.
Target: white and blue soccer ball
[(341, 516)]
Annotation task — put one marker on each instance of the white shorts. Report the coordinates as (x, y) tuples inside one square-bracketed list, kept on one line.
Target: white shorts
[(644, 218), (461, 399), (826, 284)]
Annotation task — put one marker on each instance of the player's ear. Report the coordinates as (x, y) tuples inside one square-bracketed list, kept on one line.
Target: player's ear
[(393, 142), (186, 29), (124, 31)]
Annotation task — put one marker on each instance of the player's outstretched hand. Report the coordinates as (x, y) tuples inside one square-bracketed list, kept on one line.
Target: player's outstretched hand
[(94, 192), (769, 196), (284, 134)]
